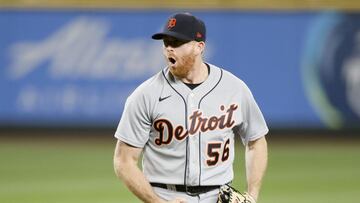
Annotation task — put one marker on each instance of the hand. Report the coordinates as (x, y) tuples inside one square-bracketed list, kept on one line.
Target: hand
[(249, 197)]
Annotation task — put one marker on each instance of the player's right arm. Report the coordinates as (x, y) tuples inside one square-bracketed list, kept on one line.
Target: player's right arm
[(125, 165)]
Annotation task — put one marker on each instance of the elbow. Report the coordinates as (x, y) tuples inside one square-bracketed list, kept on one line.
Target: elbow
[(259, 143), (124, 161)]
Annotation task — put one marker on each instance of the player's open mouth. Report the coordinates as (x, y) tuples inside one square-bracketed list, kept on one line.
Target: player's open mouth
[(172, 60)]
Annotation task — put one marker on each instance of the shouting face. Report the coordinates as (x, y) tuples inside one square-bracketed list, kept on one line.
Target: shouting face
[(180, 56)]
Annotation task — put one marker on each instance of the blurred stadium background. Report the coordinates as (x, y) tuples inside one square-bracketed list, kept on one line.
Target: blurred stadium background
[(68, 66)]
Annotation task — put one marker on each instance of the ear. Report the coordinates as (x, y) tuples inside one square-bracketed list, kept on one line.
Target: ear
[(200, 47)]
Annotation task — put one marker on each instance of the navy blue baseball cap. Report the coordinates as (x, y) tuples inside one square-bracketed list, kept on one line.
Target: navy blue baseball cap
[(183, 26)]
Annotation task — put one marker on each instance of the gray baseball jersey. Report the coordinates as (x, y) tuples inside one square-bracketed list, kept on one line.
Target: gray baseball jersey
[(187, 135)]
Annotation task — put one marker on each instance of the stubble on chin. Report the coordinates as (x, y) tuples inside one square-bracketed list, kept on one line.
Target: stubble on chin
[(183, 67)]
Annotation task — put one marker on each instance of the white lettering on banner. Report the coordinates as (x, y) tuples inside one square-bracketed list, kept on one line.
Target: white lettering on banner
[(81, 49), (71, 100)]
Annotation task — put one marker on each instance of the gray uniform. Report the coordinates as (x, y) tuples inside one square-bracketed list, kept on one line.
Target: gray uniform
[(187, 135)]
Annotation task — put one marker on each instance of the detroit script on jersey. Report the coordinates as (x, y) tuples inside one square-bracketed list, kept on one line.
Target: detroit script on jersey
[(197, 123)]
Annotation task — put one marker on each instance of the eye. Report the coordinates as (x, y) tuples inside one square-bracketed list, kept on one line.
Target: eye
[(173, 43)]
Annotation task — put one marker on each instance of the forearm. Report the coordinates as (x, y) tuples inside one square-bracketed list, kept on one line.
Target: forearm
[(135, 180), (125, 165), (256, 163)]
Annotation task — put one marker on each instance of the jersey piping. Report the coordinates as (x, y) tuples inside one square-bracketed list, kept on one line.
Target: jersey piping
[(186, 123), (199, 105)]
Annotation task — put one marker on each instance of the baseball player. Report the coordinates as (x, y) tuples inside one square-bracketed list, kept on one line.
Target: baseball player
[(184, 120)]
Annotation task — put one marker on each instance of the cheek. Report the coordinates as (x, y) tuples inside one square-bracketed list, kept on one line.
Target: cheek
[(186, 51), (196, 50), (192, 50)]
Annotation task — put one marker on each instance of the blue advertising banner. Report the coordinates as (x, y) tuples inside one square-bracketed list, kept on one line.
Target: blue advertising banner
[(71, 68)]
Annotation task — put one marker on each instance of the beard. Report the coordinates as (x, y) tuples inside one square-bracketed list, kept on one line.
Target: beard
[(183, 66)]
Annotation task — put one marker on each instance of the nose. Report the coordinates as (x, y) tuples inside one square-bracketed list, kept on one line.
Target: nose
[(168, 48)]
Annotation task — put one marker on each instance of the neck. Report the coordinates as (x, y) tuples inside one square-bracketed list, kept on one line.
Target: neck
[(197, 74)]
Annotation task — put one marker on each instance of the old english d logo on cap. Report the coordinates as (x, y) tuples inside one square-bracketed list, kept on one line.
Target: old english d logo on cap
[(171, 23)]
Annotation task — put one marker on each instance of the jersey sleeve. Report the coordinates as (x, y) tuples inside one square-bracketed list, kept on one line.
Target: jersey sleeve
[(135, 122), (254, 123)]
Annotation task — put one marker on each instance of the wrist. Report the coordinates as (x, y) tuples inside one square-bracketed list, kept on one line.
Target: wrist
[(150, 198), (253, 192), (158, 200), (251, 197)]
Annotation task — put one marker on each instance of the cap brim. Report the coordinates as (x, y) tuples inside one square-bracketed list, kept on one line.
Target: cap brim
[(176, 35)]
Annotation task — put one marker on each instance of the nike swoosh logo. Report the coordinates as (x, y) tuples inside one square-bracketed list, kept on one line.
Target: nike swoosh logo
[(163, 98)]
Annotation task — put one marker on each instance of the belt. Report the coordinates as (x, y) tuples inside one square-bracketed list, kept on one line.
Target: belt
[(192, 190)]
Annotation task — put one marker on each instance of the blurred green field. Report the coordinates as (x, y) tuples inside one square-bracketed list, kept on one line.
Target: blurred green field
[(47, 170)]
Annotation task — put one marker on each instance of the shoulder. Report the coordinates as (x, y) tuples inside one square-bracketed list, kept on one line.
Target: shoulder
[(231, 80), (149, 87)]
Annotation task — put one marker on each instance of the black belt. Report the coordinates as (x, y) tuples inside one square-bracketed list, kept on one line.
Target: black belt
[(193, 190)]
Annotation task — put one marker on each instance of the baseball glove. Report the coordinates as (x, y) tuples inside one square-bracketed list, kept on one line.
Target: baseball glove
[(228, 194)]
